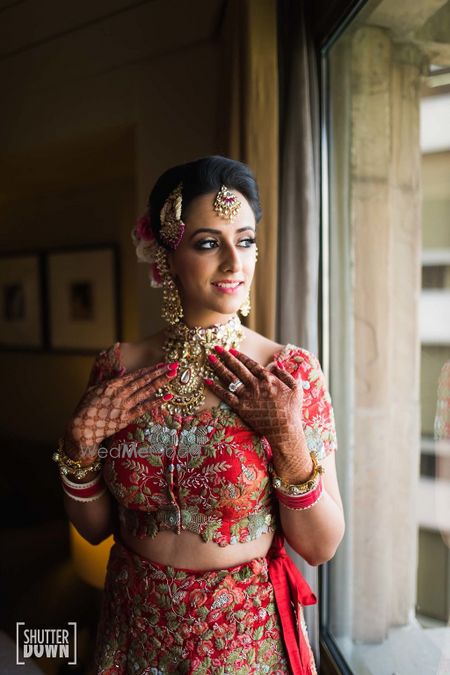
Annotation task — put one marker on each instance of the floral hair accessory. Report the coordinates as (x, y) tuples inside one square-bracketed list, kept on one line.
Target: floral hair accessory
[(172, 227), (143, 228), (146, 248)]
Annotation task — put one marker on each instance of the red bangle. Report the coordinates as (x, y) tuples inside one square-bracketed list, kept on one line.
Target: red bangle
[(84, 492), (300, 502)]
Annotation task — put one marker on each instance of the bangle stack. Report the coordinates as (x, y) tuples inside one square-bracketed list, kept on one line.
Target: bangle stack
[(301, 496), (68, 465), (84, 492)]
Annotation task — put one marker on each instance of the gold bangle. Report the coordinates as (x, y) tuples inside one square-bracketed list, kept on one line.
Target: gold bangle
[(300, 488), (80, 472), (73, 466)]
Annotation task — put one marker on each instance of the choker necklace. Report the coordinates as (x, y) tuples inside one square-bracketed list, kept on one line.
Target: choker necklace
[(191, 347)]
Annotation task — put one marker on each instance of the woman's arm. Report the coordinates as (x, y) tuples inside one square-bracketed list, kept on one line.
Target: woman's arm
[(316, 533), (273, 403), (108, 406), (93, 520)]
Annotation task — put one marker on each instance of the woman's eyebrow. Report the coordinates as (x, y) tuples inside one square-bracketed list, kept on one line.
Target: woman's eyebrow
[(211, 230)]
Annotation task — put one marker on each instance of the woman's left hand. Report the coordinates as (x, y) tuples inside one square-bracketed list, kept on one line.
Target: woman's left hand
[(269, 399)]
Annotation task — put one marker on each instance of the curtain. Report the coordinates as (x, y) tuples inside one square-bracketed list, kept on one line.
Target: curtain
[(299, 214), (268, 118), (248, 131)]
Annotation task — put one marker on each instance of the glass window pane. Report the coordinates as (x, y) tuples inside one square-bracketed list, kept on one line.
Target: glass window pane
[(388, 157)]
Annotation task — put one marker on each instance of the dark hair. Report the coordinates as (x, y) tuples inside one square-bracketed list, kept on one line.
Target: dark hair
[(200, 177)]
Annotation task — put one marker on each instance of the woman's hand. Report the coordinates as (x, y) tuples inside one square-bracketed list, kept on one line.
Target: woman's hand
[(270, 401), (109, 407)]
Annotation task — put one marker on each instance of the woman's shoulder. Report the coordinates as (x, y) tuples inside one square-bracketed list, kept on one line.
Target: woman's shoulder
[(258, 347), (140, 353), (121, 357), (266, 351), (299, 358), (106, 364)]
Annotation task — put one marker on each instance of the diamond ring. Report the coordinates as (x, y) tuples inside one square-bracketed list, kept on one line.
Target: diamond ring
[(234, 386)]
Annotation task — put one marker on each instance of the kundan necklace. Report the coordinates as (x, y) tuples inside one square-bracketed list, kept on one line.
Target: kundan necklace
[(191, 347)]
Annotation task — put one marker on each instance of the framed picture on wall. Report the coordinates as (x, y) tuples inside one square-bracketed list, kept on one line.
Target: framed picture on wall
[(21, 318), (83, 299)]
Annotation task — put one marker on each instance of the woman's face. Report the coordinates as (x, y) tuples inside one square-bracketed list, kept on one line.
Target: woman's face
[(214, 263)]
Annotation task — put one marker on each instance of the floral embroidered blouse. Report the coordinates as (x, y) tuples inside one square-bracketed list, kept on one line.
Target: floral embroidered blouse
[(206, 472)]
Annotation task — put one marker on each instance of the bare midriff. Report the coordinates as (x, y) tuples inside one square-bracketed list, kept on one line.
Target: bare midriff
[(187, 550)]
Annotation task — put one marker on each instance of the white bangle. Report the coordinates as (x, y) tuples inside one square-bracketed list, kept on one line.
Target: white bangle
[(81, 486), (85, 499)]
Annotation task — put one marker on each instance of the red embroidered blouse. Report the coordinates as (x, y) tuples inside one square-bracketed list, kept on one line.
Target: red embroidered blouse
[(206, 472)]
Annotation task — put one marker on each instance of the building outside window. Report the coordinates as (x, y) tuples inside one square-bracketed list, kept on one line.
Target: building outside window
[(386, 216)]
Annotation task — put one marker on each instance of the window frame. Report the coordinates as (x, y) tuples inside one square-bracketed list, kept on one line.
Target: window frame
[(328, 23)]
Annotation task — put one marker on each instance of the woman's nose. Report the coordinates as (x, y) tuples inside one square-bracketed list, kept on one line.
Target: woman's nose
[(231, 261)]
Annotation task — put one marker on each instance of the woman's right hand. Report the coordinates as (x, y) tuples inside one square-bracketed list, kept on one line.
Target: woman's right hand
[(109, 407)]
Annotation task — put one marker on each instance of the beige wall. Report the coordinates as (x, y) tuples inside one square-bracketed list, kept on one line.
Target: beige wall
[(89, 118)]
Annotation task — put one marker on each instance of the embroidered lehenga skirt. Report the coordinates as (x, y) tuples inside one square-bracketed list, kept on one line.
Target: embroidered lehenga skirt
[(157, 620)]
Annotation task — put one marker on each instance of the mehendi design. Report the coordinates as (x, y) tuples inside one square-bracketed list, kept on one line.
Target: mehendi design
[(209, 472)]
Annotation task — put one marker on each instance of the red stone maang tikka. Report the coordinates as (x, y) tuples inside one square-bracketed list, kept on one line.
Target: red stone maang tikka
[(226, 204)]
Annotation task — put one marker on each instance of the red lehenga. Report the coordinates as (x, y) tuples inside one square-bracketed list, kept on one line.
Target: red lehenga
[(207, 473)]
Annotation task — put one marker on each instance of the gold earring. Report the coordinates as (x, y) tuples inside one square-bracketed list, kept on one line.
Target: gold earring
[(172, 309), (246, 306)]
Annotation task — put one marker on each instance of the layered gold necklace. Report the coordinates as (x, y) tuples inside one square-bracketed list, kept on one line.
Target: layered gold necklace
[(191, 347)]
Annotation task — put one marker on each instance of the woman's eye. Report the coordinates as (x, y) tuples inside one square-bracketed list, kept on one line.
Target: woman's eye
[(206, 244), (247, 242)]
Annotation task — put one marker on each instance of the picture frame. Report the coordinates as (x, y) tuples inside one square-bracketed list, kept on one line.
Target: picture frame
[(83, 299), (22, 321)]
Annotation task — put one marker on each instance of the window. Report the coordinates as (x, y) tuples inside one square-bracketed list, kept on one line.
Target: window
[(386, 206)]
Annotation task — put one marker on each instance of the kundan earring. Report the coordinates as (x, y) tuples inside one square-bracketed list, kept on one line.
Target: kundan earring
[(246, 306), (172, 309)]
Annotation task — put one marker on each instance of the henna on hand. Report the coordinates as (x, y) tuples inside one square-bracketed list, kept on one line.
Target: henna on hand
[(109, 407), (271, 403)]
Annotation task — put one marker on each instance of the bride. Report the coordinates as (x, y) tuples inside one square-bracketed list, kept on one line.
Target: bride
[(224, 444)]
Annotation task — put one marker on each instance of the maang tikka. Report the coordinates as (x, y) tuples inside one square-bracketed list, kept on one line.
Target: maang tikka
[(226, 204)]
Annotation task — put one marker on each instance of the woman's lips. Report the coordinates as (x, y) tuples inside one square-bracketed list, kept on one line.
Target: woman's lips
[(228, 287)]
